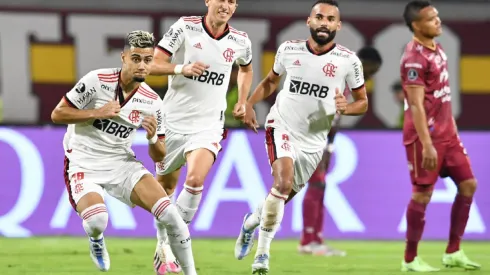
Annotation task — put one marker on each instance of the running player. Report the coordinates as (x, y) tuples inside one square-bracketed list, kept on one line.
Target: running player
[(431, 139), (298, 124), (103, 112), (198, 52), (313, 209)]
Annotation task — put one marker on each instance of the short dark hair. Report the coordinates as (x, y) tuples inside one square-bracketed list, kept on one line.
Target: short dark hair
[(328, 2), (370, 54), (412, 9), (397, 86)]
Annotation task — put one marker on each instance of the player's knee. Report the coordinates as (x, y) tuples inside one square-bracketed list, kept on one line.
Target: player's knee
[(467, 188), (284, 184), (193, 180), (422, 193), (95, 219)]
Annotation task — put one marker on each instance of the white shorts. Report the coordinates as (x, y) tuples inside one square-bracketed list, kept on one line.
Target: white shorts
[(119, 182), (178, 145), (280, 144)]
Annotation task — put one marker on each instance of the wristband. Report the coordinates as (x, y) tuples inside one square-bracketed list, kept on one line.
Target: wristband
[(153, 140), (178, 69), (330, 148)]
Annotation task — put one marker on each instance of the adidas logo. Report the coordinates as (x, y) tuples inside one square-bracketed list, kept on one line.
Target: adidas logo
[(296, 63), (198, 46)]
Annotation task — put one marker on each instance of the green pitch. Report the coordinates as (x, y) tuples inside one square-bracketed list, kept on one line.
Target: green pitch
[(69, 256)]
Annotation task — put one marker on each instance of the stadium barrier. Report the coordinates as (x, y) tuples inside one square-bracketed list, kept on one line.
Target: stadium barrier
[(367, 191)]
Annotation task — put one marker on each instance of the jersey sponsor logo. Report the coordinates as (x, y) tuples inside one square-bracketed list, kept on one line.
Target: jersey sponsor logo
[(174, 37), (80, 88), (142, 100), (113, 128), (169, 32), (192, 28), (82, 100), (357, 72), (159, 120), (343, 55), (294, 48), (209, 77), (305, 88), (329, 70), (413, 65), (239, 41), (444, 93), (228, 54), (248, 53), (107, 88)]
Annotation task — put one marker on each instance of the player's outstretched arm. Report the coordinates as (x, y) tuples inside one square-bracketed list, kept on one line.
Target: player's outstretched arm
[(266, 87), (64, 113), (161, 66)]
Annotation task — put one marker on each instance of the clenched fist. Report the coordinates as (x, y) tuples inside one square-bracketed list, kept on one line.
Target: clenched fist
[(340, 101), (194, 69), (109, 110), (150, 125), (239, 111)]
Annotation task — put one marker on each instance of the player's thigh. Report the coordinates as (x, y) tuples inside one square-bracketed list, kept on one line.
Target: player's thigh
[(169, 181), (175, 157), (422, 180), (123, 186), (82, 191), (457, 163), (147, 192), (281, 153), (200, 153), (304, 167)]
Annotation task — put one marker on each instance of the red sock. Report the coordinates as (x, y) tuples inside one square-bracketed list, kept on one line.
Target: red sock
[(415, 228), (459, 217), (320, 216), (310, 215)]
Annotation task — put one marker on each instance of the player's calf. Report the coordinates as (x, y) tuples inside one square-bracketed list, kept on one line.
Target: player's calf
[(416, 219), (273, 209), (460, 212), (95, 219), (199, 162), (178, 234)]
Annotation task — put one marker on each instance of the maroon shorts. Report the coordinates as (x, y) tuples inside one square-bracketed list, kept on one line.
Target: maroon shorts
[(452, 161)]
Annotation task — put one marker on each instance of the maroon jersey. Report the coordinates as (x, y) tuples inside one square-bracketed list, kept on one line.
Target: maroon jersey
[(426, 67)]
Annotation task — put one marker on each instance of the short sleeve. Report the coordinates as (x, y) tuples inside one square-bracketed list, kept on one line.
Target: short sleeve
[(355, 75), (173, 39), (278, 67), (412, 69), (159, 115), (246, 58), (83, 92)]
